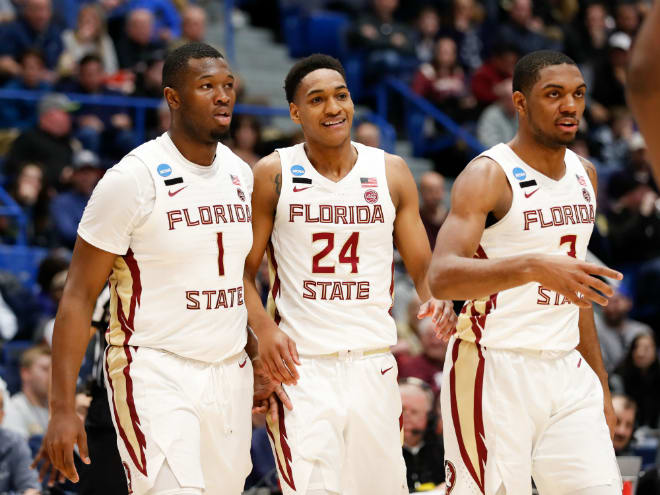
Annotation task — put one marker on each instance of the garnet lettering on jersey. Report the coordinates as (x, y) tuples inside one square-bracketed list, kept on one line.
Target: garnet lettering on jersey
[(208, 215), (336, 290), (548, 297), (214, 299), (337, 214), (557, 216)]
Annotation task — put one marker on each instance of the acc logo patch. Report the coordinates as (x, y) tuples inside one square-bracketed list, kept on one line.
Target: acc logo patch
[(519, 173), (241, 194), (450, 477), (164, 170), (370, 196), (586, 195), (297, 170)]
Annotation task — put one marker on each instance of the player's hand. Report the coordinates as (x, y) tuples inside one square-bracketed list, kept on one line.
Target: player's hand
[(571, 277), (280, 396), (279, 355), (264, 388), (442, 314), (65, 429), (46, 469)]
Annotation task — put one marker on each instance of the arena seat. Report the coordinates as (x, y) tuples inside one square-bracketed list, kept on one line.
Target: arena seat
[(10, 358), (22, 261), (326, 33)]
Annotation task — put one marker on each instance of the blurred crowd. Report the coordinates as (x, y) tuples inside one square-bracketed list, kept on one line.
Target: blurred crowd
[(458, 54)]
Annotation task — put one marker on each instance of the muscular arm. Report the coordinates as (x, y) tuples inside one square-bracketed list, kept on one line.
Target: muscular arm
[(644, 84)]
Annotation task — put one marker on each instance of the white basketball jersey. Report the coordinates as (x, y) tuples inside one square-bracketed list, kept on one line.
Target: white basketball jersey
[(331, 255), (546, 217), (180, 286)]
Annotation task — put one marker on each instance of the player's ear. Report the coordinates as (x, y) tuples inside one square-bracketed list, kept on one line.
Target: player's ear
[(519, 102), (172, 97), (293, 112)]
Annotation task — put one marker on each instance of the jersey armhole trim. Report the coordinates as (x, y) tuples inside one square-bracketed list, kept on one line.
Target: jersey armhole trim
[(513, 197), (97, 243)]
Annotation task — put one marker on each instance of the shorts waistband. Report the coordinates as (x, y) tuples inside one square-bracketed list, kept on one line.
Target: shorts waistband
[(539, 353), (348, 354)]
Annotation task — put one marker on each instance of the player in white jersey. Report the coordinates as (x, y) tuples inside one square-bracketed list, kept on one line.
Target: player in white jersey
[(329, 210), (524, 390), (170, 225)]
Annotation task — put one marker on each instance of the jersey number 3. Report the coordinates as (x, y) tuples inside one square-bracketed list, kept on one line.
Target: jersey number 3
[(570, 239), (347, 255)]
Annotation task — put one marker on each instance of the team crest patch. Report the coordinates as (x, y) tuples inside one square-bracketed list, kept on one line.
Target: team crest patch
[(586, 195), (129, 482), (241, 194), (164, 170), (581, 180), (370, 196), (450, 477)]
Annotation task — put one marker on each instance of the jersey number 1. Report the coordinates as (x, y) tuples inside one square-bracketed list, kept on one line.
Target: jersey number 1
[(351, 245), (221, 255)]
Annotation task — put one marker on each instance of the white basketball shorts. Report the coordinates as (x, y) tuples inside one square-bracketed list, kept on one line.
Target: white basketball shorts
[(344, 432), (509, 416), (196, 415)]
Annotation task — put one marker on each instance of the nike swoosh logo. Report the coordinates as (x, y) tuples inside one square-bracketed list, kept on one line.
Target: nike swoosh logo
[(382, 372), (527, 195), (240, 365), (173, 193), (298, 189)]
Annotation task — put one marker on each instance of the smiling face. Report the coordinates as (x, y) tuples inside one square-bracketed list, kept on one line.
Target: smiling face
[(204, 99), (323, 107), (554, 106)]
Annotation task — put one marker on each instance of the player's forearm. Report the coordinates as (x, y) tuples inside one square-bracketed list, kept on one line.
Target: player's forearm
[(589, 345), (644, 71), (453, 277), (258, 318), (70, 339)]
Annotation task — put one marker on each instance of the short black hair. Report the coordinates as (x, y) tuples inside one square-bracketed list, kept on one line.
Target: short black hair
[(90, 57), (177, 61), (307, 65), (526, 72)]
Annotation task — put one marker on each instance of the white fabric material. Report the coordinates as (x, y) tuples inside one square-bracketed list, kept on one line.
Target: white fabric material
[(549, 217), (167, 484), (195, 416), (24, 417), (542, 415), (595, 490), (184, 246), (333, 250), (343, 433)]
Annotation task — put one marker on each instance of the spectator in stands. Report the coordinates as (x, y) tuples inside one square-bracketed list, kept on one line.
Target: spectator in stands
[(423, 451), (633, 220), (35, 29), (627, 17), (167, 20), (466, 29), (245, 133), (587, 44), (498, 123), (616, 330), (193, 25), (407, 343), (49, 142), (149, 84), (610, 79), (135, 47), (22, 114), (89, 37), (7, 11), (67, 207), (367, 133), (100, 128), (625, 410), (639, 375), (443, 82), (16, 476), (428, 27), (27, 410), (523, 30), (638, 159), (56, 262), (497, 70), (388, 43), (163, 121), (432, 208), (429, 364)]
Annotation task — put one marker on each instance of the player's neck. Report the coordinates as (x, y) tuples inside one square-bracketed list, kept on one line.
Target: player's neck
[(549, 160), (193, 150), (333, 163)]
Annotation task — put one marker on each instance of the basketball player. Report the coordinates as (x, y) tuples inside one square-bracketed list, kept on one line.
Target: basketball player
[(524, 389), (329, 210), (644, 84), (170, 226)]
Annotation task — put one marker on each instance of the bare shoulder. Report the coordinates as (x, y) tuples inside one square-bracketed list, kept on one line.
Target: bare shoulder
[(482, 185), (482, 170), (400, 180), (395, 163), (591, 171), (268, 166)]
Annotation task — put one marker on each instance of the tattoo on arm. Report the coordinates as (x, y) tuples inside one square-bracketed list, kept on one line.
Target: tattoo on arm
[(278, 184)]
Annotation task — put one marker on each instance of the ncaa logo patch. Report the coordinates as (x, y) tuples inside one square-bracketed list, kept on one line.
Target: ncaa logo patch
[(241, 194), (450, 477), (370, 196), (297, 170), (164, 170), (519, 173), (586, 195)]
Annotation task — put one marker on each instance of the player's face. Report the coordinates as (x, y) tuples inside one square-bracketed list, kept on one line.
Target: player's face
[(323, 107), (555, 105), (207, 98)]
